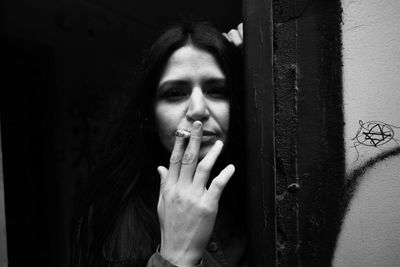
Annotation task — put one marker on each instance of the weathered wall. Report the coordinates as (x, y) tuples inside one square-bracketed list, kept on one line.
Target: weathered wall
[(371, 75), (371, 58)]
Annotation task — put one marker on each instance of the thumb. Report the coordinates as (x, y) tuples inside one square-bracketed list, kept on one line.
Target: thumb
[(163, 172)]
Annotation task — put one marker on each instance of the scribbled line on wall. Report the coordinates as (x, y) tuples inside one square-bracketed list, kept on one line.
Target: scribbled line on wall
[(373, 134)]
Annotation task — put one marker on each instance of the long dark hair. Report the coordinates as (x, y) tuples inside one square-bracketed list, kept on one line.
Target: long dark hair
[(116, 221)]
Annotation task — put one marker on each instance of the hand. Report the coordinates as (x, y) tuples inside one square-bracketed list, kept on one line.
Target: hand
[(235, 36), (186, 209)]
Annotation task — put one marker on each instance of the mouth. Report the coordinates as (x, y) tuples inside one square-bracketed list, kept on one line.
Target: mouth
[(208, 139), (208, 133)]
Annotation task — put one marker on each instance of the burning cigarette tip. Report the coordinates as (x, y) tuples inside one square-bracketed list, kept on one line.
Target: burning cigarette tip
[(182, 133)]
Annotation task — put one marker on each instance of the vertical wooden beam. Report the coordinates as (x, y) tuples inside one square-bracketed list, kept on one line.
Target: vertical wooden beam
[(320, 139), (309, 130), (3, 233), (259, 94)]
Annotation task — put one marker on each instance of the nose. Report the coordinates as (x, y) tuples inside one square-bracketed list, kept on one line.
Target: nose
[(198, 108)]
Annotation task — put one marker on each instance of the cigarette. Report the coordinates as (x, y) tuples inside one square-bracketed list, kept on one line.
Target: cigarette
[(182, 133)]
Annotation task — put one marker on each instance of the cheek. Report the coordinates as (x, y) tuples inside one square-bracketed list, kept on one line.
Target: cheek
[(167, 120), (222, 115), (166, 117)]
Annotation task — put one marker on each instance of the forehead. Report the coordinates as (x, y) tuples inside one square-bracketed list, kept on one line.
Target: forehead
[(191, 63)]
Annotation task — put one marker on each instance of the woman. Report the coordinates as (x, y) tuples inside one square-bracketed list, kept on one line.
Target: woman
[(190, 85)]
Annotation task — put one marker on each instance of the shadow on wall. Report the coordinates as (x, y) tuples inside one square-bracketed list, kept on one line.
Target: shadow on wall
[(370, 233)]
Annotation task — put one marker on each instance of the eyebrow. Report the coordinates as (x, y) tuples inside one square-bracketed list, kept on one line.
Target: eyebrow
[(169, 83), (215, 81), (181, 83)]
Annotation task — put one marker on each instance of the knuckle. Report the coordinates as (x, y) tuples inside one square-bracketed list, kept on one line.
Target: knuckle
[(175, 158), (202, 168), (218, 184), (207, 208), (165, 191), (180, 199), (189, 158), (195, 137), (174, 196), (162, 185)]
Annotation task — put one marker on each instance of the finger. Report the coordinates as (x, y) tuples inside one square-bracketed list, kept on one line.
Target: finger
[(227, 36), (163, 172), (218, 184), (205, 166), (235, 37), (240, 29), (175, 159), (191, 155)]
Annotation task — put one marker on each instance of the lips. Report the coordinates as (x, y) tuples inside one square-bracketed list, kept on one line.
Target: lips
[(208, 133), (208, 137), (205, 139)]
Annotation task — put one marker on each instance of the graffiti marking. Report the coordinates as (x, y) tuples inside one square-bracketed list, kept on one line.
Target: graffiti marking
[(373, 133)]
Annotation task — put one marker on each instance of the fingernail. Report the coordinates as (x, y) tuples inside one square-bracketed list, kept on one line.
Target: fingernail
[(232, 167), (218, 143), (197, 125)]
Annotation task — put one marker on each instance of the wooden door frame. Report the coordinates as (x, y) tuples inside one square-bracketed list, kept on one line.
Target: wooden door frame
[(260, 151)]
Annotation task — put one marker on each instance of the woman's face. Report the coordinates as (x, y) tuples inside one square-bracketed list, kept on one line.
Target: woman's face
[(192, 88)]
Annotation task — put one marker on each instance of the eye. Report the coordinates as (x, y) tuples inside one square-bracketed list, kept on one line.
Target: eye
[(218, 92), (174, 94)]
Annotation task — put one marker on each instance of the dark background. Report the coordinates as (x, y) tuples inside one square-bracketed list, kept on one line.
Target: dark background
[(65, 67)]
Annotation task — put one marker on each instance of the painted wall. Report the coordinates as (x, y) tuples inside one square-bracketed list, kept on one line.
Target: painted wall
[(370, 233)]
